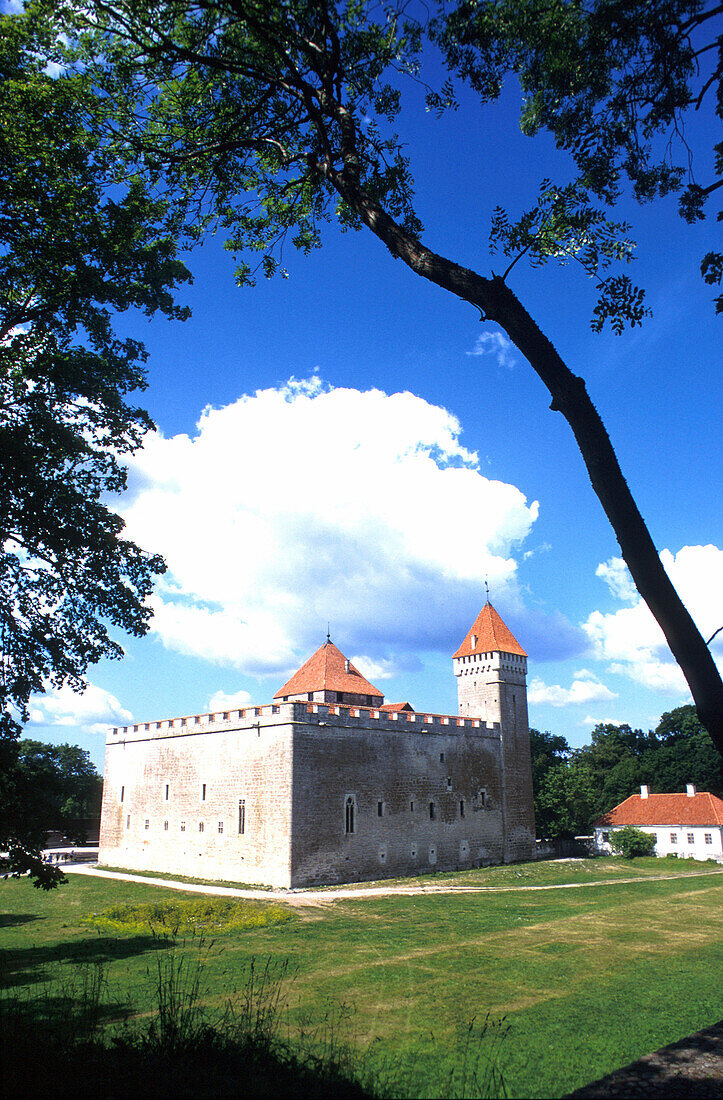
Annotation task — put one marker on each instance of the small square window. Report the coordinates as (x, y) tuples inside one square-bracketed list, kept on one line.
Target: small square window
[(673, 838), (183, 721), (147, 824), (691, 838), (200, 826), (183, 826), (225, 716), (220, 826), (709, 838), (165, 826), (197, 721)]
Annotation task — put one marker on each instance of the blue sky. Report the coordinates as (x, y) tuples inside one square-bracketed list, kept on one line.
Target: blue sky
[(352, 444)]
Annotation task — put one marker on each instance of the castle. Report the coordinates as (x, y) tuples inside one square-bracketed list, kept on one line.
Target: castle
[(328, 783)]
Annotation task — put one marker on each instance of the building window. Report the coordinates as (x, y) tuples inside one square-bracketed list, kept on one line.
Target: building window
[(310, 696), (203, 792), (220, 826), (606, 837), (449, 782), (183, 826), (241, 816), (165, 826), (349, 814), (461, 807), (168, 791), (225, 716), (709, 838), (413, 851), (200, 826), (411, 807), (128, 822), (483, 798), (441, 758), (148, 823), (123, 793), (691, 838), (673, 838), (380, 809), (432, 811)]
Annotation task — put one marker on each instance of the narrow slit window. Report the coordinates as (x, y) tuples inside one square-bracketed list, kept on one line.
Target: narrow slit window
[(203, 792), (165, 826), (241, 816), (123, 793), (200, 826), (461, 807), (380, 809), (168, 791), (432, 811)]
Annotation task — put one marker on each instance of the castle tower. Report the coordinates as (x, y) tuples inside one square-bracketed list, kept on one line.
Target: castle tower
[(491, 670)]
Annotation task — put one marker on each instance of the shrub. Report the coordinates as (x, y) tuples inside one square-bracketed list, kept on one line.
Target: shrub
[(629, 841), (201, 915)]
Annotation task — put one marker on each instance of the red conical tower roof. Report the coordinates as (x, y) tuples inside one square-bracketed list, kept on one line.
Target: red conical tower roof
[(328, 669), (490, 636)]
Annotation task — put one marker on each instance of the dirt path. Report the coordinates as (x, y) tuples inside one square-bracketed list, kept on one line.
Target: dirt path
[(345, 893)]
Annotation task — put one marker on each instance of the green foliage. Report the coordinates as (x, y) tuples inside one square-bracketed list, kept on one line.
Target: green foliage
[(573, 788), (79, 244), (629, 842), (612, 83), (184, 917)]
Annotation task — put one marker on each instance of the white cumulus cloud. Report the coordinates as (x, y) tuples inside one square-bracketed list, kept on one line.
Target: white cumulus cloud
[(585, 688), (93, 711), (306, 503), (498, 345), (630, 640), (220, 700)]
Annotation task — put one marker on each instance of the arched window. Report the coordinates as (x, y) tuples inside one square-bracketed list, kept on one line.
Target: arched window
[(350, 814)]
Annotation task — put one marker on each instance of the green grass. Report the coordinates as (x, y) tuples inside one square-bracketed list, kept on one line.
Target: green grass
[(181, 917), (586, 979)]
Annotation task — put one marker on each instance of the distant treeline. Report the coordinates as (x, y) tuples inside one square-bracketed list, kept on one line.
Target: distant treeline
[(573, 787)]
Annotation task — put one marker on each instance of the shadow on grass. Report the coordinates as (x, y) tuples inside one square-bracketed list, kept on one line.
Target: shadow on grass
[(29, 966), (10, 920)]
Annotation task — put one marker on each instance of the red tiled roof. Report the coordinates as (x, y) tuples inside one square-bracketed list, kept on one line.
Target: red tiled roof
[(397, 707), (326, 670), (666, 809), (492, 636)]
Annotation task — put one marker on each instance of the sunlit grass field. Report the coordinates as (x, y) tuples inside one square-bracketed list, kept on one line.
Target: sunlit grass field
[(585, 979)]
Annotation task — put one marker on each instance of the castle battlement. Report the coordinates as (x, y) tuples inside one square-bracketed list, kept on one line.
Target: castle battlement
[(306, 713)]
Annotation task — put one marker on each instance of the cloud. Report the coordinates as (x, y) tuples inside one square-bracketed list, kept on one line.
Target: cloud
[(590, 721), (617, 577), (305, 503), (630, 639), (585, 688), (93, 711), (497, 344), (221, 701)]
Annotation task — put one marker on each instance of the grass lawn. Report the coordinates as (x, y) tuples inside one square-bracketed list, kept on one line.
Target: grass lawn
[(587, 979)]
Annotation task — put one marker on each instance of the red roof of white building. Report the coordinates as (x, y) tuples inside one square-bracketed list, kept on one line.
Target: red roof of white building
[(490, 636), (666, 809), (328, 669)]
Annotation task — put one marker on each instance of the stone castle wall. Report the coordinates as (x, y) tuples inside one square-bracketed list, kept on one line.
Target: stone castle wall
[(294, 765)]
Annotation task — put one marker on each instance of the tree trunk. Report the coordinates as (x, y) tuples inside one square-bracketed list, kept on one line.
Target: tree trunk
[(497, 302)]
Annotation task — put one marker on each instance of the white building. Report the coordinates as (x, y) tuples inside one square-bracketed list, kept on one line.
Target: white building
[(688, 825)]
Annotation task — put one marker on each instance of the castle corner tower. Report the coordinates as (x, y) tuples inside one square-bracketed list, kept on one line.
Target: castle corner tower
[(491, 670)]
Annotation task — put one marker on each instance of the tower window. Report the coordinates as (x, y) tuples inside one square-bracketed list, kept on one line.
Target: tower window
[(441, 758), (461, 807), (349, 814), (168, 791), (123, 793), (380, 809), (432, 811), (203, 792)]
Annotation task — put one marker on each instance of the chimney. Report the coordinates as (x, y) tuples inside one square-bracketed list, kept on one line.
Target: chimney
[(690, 790), (644, 790), (346, 664)]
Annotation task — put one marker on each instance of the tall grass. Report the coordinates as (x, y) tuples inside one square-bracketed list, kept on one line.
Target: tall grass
[(69, 1039)]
